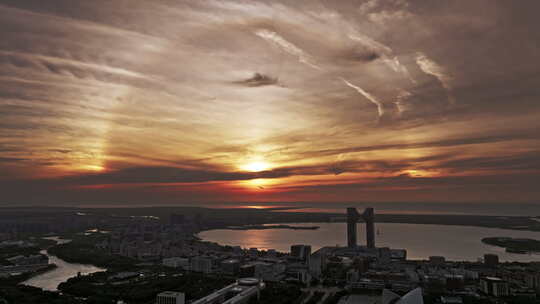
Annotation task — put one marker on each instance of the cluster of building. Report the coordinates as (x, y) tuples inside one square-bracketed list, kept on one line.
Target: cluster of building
[(356, 267), (370, 268), (151, 240), (264, 265), (21, 264)]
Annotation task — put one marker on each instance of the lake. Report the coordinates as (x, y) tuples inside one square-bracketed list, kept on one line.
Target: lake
[(51, 279), (458, 243)]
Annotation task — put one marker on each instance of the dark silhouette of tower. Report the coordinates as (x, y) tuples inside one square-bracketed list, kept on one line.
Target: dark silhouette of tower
[(352, 218), (369, 218)]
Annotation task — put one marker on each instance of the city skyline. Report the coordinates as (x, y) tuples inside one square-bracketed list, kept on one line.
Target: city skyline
[(176, 102)]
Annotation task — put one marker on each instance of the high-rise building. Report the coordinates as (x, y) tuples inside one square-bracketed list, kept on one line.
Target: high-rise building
[(317, 263), (491, 260), (170, 297), (369, 218), (352, 218), (301, 252)]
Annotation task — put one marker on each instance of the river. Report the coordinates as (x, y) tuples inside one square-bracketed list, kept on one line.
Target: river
[(64, 270), (458, 243)]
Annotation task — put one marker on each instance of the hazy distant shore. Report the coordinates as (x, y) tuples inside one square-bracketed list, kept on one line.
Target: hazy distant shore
[(514, 245), (218, 218)]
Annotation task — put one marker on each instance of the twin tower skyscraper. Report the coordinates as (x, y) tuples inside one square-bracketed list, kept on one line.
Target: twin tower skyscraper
[(352, 218)]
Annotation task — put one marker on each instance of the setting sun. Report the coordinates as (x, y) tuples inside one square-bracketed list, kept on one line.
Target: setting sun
[(256, 166)]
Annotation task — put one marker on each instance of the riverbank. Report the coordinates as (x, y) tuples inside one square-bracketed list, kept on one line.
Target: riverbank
[(63, 269)]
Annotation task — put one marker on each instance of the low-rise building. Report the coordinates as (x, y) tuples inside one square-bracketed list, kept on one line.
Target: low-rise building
[(494, 286), (201, 264), (176, 262), (230, 266), (170, 297)]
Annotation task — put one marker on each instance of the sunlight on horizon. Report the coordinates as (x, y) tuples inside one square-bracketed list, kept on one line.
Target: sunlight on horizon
[(256, 166)]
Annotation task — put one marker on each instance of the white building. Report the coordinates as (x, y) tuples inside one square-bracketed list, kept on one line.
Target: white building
[(238, 293), (412, 297), (171, 297)]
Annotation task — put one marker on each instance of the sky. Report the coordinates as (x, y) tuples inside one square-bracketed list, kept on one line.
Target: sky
[(132, 102)]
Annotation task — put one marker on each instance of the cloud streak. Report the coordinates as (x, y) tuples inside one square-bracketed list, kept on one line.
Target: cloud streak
[(169, 100), (380, 108), (430, 67)]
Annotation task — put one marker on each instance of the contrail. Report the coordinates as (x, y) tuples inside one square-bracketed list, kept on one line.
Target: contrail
[(371, 98), (430, 67), (288, 47), (386, 54), (304, 58), (396, 65), (39, 59)]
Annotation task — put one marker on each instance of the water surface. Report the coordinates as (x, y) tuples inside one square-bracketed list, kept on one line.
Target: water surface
[(460, 243), (51, 279)]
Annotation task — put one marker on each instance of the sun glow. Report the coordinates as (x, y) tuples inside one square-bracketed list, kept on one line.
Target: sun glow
[(256, 166), (96, 168), (258, 182), (419, 173)]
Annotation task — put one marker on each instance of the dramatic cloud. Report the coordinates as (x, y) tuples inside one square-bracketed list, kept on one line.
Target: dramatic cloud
[(187, 101), (430, 67)]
